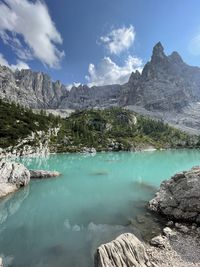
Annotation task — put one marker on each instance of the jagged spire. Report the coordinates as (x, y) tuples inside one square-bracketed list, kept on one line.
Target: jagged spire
[(158, 52)]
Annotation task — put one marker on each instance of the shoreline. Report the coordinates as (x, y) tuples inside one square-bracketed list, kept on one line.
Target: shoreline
[(13, 156)]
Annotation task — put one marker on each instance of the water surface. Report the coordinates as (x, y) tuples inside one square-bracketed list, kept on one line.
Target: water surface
[(61, 221)]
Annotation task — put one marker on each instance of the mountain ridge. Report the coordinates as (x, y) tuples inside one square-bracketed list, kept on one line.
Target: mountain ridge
[(165, 89)]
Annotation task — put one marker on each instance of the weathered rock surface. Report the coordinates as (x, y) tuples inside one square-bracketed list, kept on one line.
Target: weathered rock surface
[(33, 89), (12, 176), (24, 147), (15, 175), (37, 90), (179, 197), (40, 174), (84, 97), (164, 84), (167, 89), (125, 250)]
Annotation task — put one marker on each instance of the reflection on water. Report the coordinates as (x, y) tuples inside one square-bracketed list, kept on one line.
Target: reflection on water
[(11, 204), (60, 222)]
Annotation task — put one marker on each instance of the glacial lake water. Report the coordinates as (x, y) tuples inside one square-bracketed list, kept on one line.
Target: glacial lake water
[(59, 222)]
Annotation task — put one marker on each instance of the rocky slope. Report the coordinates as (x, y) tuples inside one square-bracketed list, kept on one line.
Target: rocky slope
[(166, 83), (84, 97), (23, 132), (167, 89), (37, 90), (32, 89)]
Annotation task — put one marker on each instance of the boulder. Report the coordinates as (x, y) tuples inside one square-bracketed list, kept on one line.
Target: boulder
[(40, 174), (125, 250), (179, 197), (1, 262), (12, 176)]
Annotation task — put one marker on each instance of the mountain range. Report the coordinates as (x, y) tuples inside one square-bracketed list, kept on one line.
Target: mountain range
[(166, 89)]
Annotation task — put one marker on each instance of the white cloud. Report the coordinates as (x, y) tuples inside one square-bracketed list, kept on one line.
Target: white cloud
[(28, 28), (119, 40), (108, 72), (20, 64)]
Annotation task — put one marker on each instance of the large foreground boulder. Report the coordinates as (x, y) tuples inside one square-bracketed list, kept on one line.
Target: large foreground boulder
[(179, 197), (12, 176), (125, 251)]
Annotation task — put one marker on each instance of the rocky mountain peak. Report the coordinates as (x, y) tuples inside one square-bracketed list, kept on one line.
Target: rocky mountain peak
[(134, 76), (158, 52), (176, 58)]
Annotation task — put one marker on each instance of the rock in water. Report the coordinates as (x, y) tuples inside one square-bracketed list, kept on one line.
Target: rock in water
[(179, 197), (14, 173), (39, 174), (1, 262), (125, 251), (12, 176)]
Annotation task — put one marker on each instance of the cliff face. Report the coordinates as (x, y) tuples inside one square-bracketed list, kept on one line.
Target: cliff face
[(37, 90), (167, 89), (84, 97), (32, 89), (165, 84)]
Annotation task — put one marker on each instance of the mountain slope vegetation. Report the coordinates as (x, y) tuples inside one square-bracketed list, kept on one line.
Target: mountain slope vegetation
[(110, 129)]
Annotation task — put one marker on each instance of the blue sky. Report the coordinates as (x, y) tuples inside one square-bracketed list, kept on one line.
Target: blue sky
[(95, 41)]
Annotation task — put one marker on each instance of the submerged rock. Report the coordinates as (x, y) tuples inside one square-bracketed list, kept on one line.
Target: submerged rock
[(12, 176), (125, 250), (40, 174), (179, 197)]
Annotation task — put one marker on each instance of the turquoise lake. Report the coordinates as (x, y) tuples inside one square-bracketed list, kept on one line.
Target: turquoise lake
[(59, 222)]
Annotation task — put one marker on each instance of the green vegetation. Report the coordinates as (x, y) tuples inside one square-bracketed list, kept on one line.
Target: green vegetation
[(117, 129), (109, 129), (17, 122)]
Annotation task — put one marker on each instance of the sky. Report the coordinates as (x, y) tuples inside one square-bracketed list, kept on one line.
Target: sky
[(95, 42)]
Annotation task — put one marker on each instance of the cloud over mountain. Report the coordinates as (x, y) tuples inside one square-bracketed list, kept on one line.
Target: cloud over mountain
[(108, 72), (119, 39), (20, 64)]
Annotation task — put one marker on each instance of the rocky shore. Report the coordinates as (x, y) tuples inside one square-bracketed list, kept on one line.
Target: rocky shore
[(178, 244), (15, 175)]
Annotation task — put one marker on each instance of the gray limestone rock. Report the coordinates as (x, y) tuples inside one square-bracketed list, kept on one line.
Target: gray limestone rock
[(166, 89), (32, 89), (179, 197), (125, 250), (12, 176)]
